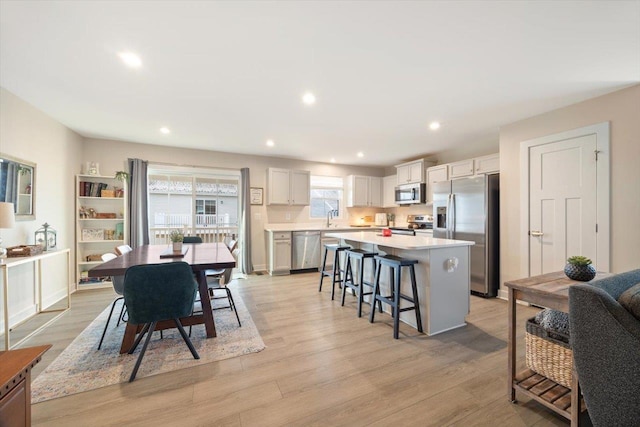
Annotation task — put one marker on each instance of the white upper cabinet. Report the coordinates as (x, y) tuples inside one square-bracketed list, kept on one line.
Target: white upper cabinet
[(288, 187), (435, 174), (389, 191), (461, 169), (412, 172), (375, 191), (300, 187), (487, 164), (364, 191), (278, 186), (477, 166)]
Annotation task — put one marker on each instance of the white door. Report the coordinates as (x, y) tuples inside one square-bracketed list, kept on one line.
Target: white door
[(565, 198)]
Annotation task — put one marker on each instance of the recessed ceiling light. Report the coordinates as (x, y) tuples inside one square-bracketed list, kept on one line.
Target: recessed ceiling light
[(434, 125), (360, 154), (130, 59), (270, 143), (332, 160), (309, 98), (165, 130)]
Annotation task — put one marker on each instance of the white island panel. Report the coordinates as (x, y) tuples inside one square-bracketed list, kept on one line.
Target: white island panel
[(442, 276)]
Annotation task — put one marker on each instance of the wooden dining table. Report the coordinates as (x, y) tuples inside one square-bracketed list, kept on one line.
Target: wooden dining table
[(200, 256)]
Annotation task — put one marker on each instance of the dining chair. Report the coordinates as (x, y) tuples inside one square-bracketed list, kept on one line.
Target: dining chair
[(123, 249), (192, 239), (156, 292), (118, 287), (231, 245), (222, 282)]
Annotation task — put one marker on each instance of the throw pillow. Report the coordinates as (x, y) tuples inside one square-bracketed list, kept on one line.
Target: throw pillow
[(555, 322), (630, 300)]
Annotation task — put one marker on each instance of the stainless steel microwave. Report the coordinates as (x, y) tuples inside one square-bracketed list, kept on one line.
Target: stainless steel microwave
[(410, 194)]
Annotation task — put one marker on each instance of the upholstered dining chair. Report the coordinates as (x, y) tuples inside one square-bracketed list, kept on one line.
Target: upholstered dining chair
[(192, 239), (118, 287), (156, 292)]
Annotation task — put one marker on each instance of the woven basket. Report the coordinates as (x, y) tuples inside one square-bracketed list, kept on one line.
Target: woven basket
[(548, 356), (23, 250)]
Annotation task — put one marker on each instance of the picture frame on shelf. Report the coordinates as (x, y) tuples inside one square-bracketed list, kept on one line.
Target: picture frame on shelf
[(256, 195)]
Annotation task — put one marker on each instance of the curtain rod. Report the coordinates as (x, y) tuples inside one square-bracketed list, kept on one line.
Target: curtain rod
[(191, 166)]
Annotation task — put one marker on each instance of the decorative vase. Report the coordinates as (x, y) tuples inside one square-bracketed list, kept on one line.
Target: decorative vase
[(582, 273), (177, 246)]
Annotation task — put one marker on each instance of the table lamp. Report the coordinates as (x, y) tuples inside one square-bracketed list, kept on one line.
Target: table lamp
[(7, 220)]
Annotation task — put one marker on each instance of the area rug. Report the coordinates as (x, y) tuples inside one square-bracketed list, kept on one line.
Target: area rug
[(82, 367)]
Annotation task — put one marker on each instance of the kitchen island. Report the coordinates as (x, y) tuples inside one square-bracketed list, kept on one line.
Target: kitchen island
[(442, 275)]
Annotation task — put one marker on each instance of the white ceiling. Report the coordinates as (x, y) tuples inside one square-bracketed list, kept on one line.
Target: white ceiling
[(227, 76)]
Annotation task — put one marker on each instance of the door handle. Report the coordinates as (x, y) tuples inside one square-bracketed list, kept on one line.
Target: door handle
[(536, 233)]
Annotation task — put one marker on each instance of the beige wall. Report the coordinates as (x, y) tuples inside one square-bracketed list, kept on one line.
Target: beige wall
[(29, 134), (622, 110), (112, 156)]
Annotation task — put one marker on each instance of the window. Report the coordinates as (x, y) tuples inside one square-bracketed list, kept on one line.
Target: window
[(202, 202), (205, 207), (326, 196)]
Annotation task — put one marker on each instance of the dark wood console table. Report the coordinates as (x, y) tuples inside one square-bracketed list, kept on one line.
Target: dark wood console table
[(549, 290), (15, 382)]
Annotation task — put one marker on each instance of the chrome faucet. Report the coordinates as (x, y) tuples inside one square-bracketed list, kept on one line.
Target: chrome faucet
[(329, 218)]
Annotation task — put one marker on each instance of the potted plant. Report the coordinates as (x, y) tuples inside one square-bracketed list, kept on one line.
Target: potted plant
[(176, 237), (579, 268), (122, 176), (391, 219)]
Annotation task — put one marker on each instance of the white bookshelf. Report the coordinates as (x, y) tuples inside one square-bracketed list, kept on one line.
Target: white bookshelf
[(94, 235)]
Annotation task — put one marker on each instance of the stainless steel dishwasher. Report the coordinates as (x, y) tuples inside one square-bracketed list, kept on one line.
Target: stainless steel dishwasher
[(306, 250)]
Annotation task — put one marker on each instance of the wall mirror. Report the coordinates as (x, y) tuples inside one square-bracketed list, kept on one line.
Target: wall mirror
[(17, 186)]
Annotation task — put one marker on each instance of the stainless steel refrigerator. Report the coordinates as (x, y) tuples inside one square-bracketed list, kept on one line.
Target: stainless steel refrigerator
[(469, 209)]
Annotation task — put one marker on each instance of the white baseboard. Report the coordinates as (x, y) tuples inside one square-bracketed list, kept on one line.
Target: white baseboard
[(52, 299), (21, 316), (260, 267)]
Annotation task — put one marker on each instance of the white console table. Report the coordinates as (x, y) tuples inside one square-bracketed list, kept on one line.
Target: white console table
[(8, 263)]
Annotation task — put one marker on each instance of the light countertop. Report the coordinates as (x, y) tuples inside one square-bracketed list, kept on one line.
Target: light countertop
[(397, 241), (317, 227)]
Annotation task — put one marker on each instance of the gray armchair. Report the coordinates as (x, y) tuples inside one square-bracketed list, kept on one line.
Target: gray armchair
[(606, 350)]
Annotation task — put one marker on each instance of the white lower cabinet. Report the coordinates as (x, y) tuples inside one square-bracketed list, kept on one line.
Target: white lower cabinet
[(279, 245)]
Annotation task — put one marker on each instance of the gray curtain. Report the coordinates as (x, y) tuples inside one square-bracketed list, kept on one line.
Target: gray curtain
[(138, 205), (246, 266)]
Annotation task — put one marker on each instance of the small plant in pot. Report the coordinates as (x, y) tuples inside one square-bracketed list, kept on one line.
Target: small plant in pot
[(579, 268), (176, 237)]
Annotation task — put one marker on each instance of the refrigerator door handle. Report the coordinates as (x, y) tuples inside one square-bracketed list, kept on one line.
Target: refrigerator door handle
[(452, 226)]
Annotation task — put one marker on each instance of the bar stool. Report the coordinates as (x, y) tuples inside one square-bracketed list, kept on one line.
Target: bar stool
[(359, 255), (395, 265), (335, 273)]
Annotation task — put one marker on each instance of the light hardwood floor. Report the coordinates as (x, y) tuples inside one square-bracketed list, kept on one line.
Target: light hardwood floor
[(322, 366)]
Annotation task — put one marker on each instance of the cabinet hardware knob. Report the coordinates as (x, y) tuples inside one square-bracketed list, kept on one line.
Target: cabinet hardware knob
[(536, 233)]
